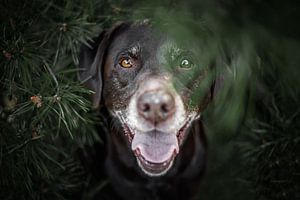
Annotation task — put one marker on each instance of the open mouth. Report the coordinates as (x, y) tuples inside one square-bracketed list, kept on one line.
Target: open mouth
[(152, 168), (154, 150)]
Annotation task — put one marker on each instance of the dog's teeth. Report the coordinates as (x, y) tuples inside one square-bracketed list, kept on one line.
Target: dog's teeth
[(137, 151), (176, 151)]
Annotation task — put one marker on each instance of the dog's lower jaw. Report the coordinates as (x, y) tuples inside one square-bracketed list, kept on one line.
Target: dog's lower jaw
[(161, 173)]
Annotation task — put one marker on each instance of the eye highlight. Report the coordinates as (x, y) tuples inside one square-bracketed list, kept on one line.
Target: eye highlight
[(186, 64), (126, 62)]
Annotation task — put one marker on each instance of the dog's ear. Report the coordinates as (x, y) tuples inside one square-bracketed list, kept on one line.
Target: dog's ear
[(216, 86), (218, 77), (92, 59)]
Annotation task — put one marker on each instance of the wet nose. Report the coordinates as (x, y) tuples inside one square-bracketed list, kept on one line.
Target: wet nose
[(156, 106)]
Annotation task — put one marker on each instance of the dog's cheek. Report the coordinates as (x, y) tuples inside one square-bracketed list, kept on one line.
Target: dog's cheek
[(116, 96), (185, 95), (192, 105)]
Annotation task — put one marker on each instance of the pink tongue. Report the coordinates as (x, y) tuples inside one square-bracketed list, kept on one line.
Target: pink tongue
[(154, 146)]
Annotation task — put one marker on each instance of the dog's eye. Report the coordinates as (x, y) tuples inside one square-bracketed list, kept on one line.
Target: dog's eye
[(186, 64), (126, 62)]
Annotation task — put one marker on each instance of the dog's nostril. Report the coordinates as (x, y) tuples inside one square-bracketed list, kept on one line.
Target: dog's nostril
[(145, 107), (164, 108)]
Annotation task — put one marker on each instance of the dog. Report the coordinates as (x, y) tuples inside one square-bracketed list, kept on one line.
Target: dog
[(155, 143)]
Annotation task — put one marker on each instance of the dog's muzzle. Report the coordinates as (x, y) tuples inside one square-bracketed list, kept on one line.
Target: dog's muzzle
[(155, 123)]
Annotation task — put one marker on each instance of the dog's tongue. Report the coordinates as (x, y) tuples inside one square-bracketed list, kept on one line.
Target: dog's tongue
[(155, 146)]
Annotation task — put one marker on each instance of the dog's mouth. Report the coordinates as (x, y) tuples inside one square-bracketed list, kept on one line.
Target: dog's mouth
[(155, 150), (153, 168)]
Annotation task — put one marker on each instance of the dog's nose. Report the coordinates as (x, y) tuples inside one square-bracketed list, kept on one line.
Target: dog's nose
[(156, 106)]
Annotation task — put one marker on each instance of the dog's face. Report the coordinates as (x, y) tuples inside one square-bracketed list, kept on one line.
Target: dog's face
[(147, 84)]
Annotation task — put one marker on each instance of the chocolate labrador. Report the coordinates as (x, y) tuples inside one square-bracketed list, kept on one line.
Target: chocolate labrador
[(144, 84)]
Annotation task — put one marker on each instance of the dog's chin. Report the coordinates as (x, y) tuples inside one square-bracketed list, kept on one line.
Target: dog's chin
[(155, 154), (155, 169)]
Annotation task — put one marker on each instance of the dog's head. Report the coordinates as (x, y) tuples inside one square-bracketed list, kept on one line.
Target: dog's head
[(147, 82)]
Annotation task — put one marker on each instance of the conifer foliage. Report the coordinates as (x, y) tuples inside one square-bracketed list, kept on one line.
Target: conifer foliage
[(45, 115)]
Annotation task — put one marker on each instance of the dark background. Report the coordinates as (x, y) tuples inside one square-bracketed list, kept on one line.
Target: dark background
[(253, 123)]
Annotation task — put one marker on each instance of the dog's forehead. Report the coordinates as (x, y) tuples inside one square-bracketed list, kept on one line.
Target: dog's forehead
[(141, 36), (149, 40)]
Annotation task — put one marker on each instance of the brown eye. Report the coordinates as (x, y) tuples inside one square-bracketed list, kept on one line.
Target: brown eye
[(126, 62)]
